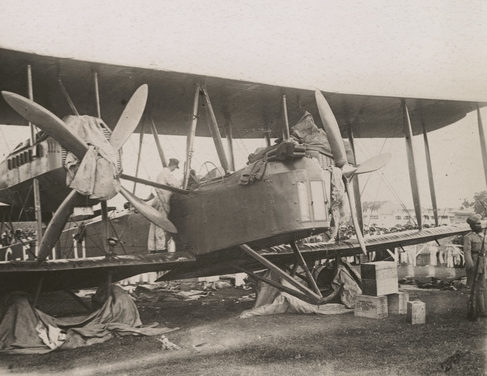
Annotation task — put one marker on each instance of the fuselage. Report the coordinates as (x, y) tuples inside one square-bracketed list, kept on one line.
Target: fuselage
[(42, 160), (290, 201)]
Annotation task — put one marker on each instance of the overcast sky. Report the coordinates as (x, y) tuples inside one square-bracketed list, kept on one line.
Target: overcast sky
[(433, 49)]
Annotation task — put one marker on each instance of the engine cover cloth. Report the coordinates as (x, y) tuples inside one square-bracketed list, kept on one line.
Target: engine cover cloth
[(27, 330), (95, 176)]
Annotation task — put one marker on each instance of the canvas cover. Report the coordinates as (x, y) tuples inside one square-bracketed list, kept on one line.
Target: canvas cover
[(305, 131), (347, 278), (95, 175), (271, 301), (27, 330)]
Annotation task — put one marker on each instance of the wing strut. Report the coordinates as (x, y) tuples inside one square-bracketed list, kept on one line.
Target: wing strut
[(229, 134), (413, 177), (162, 157), (103, 203), (483, 147), (355, 183), (97, 94), (35, 181), (267, 137), (285, 132), (215, 133), (139, 155), (429, 165), (191, 136)]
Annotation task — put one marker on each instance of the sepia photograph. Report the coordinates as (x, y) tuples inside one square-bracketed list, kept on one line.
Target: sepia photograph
[(243, 187)]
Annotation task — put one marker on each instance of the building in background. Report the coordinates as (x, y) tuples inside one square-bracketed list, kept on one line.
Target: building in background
[(387, 214)]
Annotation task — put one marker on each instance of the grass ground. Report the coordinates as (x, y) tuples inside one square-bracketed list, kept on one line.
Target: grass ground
[(214, 341)]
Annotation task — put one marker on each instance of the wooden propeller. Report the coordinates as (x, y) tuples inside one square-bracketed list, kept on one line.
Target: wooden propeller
[(339, 155), (57, 129), (130, 117), (47, 121)]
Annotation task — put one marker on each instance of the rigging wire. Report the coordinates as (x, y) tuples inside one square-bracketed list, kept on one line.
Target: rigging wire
[(370, 175), (243, 148), (396, 196), (375, 199), (387, 183), (134, 148)]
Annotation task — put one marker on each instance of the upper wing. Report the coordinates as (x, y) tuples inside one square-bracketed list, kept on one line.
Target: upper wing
[(251, 108)]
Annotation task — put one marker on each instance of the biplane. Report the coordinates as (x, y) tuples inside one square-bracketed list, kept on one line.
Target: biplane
[(241, 221)]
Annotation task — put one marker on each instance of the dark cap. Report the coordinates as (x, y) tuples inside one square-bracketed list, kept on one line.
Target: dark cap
[(173, 162), (473, 219)]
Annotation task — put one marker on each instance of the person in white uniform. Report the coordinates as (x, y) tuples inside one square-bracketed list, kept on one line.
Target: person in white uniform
[(160, 240)]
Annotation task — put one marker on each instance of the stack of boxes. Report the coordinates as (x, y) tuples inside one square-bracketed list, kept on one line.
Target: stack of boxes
[(380, 289)]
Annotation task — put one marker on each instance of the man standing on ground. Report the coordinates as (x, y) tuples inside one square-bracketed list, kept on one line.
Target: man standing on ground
[(160, 240), (472, 248)]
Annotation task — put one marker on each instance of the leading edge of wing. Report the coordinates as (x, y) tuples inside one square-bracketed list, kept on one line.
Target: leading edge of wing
[(65, 274), (252, 108), (379, 242)]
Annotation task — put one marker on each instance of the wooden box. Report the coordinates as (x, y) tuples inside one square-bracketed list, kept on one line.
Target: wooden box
[(379, 278), (416, 312), (374, 307), (397, 304)]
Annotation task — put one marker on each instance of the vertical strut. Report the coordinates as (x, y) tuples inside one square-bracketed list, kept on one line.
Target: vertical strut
[(215, 133), (67, 96), (103, 204), (229, 133), (162, 157), (483, 147), (267, 137), (35, 181), (429, 165), (285, 133), (191, 136), (97, 94), (355, 184), (141, 139), (408, 135), (106, 226)]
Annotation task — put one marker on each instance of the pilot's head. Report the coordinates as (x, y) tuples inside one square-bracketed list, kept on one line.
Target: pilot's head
[(475, 223), (173, 164)]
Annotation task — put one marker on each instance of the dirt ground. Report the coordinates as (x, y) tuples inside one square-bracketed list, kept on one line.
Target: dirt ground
[(214, 341)]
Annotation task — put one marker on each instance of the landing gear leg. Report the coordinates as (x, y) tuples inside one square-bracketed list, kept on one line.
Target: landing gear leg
[(301, 291), (300, 261)]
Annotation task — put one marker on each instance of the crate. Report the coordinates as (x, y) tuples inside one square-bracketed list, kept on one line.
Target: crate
[(397, 304), (374, 307), (378, 270), (379, 278), (416, 312)]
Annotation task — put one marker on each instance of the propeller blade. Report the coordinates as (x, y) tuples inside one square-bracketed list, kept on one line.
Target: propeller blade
[(374, 163), (356, 226), (332, 130), (150, 213), (130, 117), (47, 121), (57, 223)]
